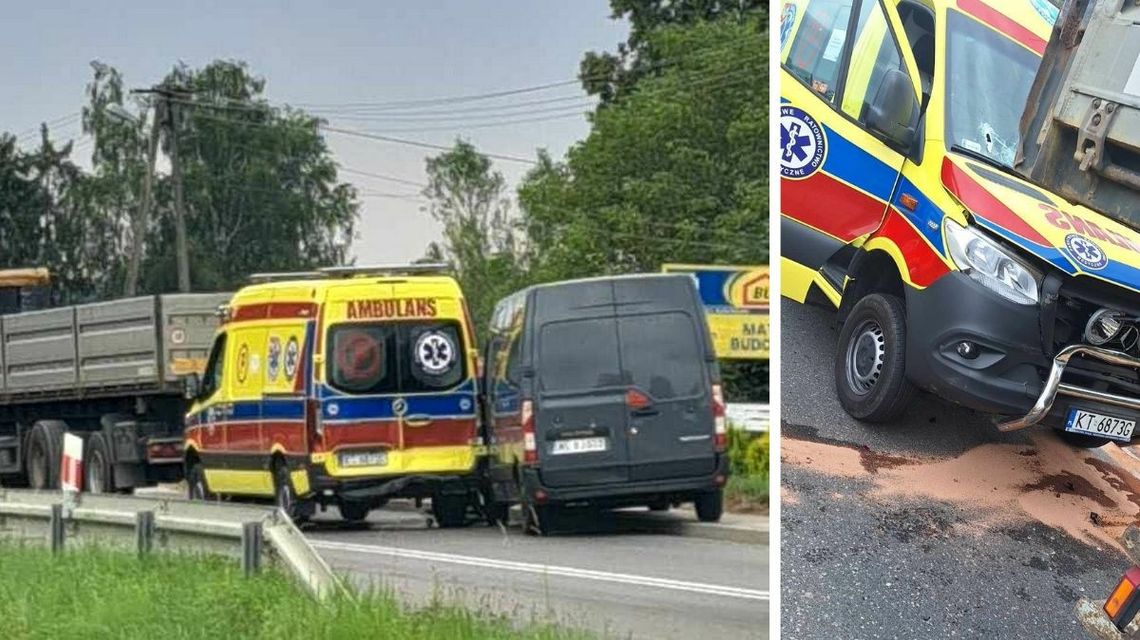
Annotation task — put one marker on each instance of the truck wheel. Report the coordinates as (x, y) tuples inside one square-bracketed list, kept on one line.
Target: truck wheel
[(196, 483), (285, 497), (1083, 441), (97, 466), (45, 444), (354, 511), (449, 511), (710, 506), (870, 361)]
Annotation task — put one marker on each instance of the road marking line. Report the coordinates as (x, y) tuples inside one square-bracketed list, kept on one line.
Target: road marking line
[(569, 572)]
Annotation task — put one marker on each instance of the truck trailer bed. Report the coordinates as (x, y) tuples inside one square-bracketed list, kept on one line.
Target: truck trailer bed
[(106, 348)]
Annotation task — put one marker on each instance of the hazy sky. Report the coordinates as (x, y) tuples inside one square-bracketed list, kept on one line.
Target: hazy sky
[(327, 54)]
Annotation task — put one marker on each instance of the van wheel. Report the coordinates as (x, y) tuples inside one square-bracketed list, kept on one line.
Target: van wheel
[(710, 506), (285, 497), (659, 505), (870, 361), (196, 488), (449, 511), (97, 464), (1083, 441), (354, 511)]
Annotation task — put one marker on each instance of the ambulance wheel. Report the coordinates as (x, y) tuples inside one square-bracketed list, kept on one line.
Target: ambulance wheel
[(354, 511), (196, 488), (45, 447), (710, 506), (97, 466), (870, 361), (1083, 441), (449, 511), (285, 497)]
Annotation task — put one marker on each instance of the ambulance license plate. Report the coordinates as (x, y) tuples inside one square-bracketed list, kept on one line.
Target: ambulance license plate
[(578, 445), (1100, 425), (363, 458)]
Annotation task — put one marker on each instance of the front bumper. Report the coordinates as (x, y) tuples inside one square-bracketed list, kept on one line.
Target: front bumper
[(619, 494), (1011, 374)]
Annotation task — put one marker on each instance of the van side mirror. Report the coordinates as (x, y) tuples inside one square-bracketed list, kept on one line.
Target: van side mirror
[(191, 386), (894, 110)]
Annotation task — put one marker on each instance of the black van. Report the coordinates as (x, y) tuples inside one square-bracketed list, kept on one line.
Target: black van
[(603, 393)]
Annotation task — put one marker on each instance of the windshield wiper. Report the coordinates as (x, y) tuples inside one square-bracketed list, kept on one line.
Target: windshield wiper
[(983, 158)]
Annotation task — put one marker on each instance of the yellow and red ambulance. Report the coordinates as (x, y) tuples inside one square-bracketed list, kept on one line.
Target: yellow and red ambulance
[(348, 386), (901, 207)]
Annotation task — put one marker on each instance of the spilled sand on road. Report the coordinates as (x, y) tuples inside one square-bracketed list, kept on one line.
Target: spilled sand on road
[(1073, 490)]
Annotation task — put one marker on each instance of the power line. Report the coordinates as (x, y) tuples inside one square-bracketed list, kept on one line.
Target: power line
[(485, 125), (380, 176), (417, 143), (343, 112)]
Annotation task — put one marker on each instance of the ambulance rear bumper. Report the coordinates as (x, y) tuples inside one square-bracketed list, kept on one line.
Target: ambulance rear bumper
[(385, 487)]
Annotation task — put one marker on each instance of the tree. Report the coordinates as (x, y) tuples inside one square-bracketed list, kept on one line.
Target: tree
[(675, 170), (480, 238), (260, 185), (609, 75)]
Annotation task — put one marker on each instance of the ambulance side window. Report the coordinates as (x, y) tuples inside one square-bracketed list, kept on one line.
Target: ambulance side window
[(817, 49), (874, 53), (212, 378)]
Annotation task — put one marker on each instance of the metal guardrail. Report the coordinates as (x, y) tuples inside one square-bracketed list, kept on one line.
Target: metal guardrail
[(150, 524), (749, 416)]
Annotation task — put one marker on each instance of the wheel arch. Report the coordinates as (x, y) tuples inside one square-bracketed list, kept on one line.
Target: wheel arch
[(878, 270)]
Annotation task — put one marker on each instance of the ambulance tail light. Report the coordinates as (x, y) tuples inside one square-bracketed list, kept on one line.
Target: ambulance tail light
[(530, 444), (720, 436), (313, 425)]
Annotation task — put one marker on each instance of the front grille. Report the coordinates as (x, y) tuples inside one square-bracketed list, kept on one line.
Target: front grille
[(1067, 304)]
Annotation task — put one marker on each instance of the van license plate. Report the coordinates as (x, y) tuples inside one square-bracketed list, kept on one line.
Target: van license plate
[(578, 445), (363, 459), (1096, 424)]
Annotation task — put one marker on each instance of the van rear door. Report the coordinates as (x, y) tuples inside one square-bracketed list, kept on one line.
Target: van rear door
[(580, 414), (664, 356)]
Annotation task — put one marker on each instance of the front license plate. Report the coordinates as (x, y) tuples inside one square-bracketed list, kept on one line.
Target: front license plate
[(578, 445), (1097, 424), (363, 459)]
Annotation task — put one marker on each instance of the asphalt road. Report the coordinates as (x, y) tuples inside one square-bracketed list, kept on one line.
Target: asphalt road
[(602, 578), (938, 526)]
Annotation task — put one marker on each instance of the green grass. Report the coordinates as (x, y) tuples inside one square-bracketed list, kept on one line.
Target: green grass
[(747, 494), (98, 593)]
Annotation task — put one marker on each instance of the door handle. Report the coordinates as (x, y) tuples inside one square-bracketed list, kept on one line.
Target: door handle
[(418, 420), (645, 411)]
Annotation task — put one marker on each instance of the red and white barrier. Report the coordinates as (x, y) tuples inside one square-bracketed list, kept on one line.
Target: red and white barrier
[(71, 468)]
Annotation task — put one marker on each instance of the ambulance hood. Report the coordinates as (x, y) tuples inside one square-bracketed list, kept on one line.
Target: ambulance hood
[(1075, 239)]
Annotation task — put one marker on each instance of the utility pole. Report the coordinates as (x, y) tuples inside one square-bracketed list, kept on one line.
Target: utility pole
[(138, 229), (183, 256), (166, 116)]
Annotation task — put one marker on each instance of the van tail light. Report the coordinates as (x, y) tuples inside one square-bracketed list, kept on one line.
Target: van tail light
[(530, 446), (313, 426), (1124, 603), (635, 399), (720, 437)]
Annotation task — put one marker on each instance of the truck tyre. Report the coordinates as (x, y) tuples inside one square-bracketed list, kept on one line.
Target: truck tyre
[(450, 511), (870, 361), (196, 483), (1083, 441), (539, 519), (354, 511), (285, 497), (97, 468), (45, 446), (710, 506)]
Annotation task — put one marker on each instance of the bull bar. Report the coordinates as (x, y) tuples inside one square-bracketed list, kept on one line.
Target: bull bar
[(1054, 386)]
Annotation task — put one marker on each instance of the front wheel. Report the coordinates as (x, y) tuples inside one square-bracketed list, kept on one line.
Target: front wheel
[(870, 361), (97, 463), (196, 483), (449, 511), (354, 512), (1083, 441)]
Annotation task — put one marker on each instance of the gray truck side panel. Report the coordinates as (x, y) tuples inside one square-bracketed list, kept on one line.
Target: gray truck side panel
[(132, 343)]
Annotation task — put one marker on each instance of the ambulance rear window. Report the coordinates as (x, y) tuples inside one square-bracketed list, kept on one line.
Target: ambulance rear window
[(396, 357)]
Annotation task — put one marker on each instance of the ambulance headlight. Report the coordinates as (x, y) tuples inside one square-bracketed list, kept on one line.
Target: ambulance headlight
[(991, 264)]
